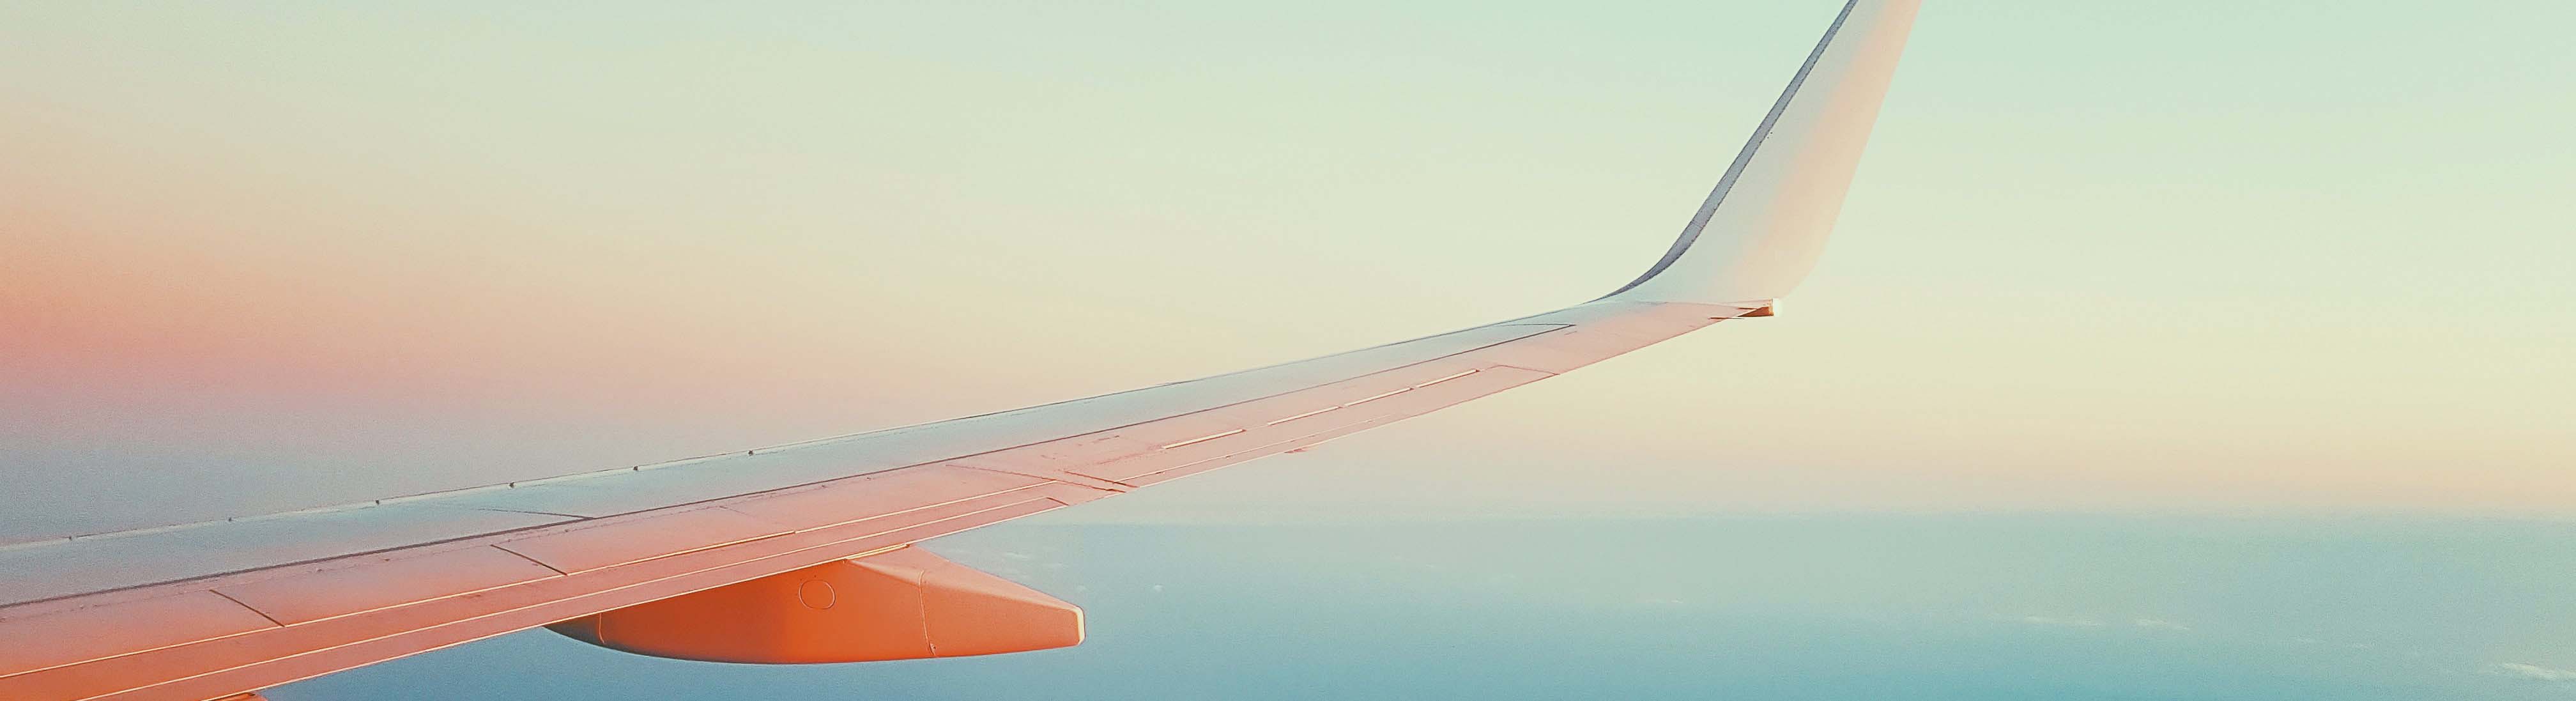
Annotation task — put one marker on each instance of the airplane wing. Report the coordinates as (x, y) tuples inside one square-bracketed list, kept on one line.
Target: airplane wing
[(211, 610)]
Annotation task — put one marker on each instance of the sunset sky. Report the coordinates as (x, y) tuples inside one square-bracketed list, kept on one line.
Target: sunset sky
[(2186, 256)]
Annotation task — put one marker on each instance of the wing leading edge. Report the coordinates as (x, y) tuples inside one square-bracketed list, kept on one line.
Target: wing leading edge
[(205, 611)]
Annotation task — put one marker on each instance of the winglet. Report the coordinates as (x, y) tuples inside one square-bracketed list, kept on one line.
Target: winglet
[(1762, 228)]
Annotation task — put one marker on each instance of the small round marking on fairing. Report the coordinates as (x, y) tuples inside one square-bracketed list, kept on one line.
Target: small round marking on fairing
[(816, 594)]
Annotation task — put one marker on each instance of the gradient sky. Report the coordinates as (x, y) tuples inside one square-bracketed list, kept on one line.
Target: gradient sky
[(2186, 256)]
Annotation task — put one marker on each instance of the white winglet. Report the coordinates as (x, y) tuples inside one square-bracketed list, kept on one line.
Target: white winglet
[(1762, 228)]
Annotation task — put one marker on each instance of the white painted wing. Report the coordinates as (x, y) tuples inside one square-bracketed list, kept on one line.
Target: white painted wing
[(206, 610)]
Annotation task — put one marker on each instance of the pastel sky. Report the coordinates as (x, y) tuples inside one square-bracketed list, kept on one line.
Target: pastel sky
[(2182, 256)]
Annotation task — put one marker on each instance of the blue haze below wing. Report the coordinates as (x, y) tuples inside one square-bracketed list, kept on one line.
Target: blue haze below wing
[(1822, 607)]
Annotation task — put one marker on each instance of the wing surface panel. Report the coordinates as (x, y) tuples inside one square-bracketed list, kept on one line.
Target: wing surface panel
[(92, 563), (341, 608)]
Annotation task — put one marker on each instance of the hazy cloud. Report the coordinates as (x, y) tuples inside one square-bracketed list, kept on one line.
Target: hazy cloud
[(2159, 624), (2532, 672)]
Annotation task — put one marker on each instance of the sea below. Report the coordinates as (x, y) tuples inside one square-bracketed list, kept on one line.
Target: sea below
[(1763, 607)]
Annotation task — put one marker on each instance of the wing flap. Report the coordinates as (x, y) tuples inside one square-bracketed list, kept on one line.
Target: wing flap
[(278, 654), (99, 632), (632, 540), (38, 572), (396, 581), (890, 495)]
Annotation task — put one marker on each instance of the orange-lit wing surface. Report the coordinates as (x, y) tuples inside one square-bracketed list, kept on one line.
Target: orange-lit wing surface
[(205, 611)]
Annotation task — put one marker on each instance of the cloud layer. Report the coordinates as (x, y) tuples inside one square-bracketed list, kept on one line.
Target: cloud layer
[(2533, 672)]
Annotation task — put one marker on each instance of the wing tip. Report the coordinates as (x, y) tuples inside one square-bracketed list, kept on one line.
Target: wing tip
[(1764, 224)]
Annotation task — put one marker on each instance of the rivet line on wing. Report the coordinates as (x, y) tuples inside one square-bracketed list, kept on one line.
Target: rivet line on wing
[(1208, 437)]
